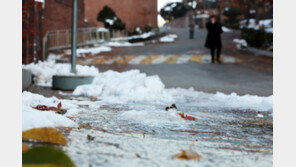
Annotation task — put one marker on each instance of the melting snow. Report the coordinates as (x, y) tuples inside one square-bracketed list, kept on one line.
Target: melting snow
[(168, 38), (33, 118)]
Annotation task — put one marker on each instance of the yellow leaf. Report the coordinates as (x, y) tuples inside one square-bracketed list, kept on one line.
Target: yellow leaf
[(49, 135), (25, 147), (188, 155)]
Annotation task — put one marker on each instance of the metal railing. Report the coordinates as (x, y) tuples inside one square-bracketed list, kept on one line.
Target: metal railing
[(61, 39)]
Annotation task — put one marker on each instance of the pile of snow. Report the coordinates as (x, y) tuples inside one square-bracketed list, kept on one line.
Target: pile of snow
[(44, 70), (225, 29), (168, 38), (123, 44), (133, 86), (266, 24), (33, 118), (129, 86), (90, 50), (241, 43)]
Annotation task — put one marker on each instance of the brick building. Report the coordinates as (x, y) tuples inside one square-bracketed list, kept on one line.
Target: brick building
[(41, 16), (31, 30), (133, 12)]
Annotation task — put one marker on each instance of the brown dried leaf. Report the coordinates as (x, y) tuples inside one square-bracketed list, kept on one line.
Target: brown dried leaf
[(188, 155), (94, 99), (49, 135), (59, 105)]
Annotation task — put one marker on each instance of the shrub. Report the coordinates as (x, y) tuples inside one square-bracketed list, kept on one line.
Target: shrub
[(257, 38), (231, 13), (110, 20), (174, 10)]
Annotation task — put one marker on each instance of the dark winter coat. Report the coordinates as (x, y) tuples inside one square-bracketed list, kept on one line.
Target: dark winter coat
[(214, 35)]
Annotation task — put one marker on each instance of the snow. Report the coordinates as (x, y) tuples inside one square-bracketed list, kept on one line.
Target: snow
[(266, 24), (102, 29), (33, 118), (168, 38), (44, 70), (142, 36), (129, 86), (133, 86), (162, 3), (42, 1), (225, 29), (240, 43), (124, 44), (154, 118), (92, 50), (109, 21)]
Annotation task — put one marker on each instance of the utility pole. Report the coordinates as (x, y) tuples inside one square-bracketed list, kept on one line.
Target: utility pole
[(74, 37)]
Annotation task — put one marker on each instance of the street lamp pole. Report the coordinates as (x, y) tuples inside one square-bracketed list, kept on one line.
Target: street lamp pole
[(74, 37)]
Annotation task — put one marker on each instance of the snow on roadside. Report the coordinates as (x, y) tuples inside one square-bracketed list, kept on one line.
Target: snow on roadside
[(133, 86), (92, 50), (44, 70), (240, 43), (33, 118), (168, 38), (141, 36), (129, 86), (123, 44), (225, 29)]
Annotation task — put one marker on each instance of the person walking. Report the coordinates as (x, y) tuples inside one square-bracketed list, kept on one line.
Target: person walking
[(213, 41), (191, 29)]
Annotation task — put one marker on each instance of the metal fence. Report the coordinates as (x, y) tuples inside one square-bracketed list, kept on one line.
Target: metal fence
[(61, 39)]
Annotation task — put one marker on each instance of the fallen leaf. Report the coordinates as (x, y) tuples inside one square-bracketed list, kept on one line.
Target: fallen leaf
[(60, 105), (187, 117), (173, 106), (188, 155), (55, 109), (48, 134), (94, 99), (90, 138), (46, 157), (25, 147)]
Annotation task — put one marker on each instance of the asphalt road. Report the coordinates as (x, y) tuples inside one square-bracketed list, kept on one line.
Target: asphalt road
[(253, 76)]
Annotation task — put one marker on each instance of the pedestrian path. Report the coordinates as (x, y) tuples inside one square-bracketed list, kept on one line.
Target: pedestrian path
[(155, 59)]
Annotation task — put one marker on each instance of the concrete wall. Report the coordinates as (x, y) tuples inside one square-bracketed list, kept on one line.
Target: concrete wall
[(133, 12)]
